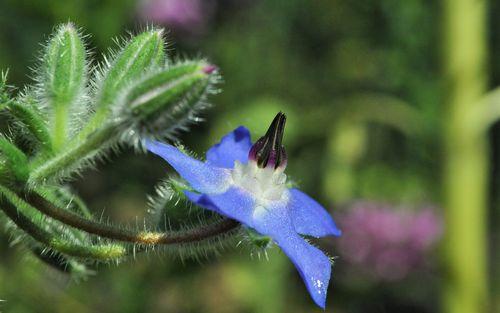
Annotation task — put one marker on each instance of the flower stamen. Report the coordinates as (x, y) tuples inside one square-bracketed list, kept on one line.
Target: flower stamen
[(268, 150)]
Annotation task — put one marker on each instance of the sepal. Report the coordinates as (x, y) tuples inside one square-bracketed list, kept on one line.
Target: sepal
[(15, 161), (257, 241)]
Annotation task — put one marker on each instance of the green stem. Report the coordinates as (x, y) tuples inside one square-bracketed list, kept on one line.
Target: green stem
[(126, 235), (465, 173), (97, 252), (66, 159)]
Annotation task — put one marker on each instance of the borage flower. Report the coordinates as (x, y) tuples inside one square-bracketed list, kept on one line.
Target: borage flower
[(247, 183)]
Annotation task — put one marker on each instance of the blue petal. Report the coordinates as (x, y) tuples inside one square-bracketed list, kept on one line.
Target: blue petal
[(313, 265), (309, 217), (235, 203), (202, 200), (234, 146), (201, 176)]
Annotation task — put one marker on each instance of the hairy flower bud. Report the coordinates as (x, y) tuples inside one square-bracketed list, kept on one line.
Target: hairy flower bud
[(164, 100), (165, 89), (137, 96), (63, 80), (141, 54)]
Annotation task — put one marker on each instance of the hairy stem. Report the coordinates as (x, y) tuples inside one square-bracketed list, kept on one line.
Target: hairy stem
[(73, 155), (126, 235), (97, 252)]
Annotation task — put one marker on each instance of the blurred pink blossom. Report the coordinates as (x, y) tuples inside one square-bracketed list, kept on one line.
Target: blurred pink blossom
[(188, 16), (387, 242)]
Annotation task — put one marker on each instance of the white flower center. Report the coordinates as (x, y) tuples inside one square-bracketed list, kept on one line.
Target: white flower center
[(265, 184)]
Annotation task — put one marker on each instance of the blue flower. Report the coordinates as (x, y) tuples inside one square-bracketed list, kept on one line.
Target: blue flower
[(247, 183)]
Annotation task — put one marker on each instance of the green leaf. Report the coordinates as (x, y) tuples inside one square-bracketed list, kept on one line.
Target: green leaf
[(64, 80)]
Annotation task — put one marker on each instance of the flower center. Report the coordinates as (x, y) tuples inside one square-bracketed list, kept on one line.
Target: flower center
[(265, 184)]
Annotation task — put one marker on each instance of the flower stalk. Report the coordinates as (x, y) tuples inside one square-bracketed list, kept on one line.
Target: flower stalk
[(127, 235), (10, 204)]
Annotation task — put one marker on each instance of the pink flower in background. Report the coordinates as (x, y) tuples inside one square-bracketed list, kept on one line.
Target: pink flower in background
[(387, 242), (188, 16)]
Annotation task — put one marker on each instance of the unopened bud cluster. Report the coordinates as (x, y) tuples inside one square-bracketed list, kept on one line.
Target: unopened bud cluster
[(74, 113)]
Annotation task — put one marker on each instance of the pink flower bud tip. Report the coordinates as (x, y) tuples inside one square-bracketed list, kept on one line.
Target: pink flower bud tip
[(209, 69)]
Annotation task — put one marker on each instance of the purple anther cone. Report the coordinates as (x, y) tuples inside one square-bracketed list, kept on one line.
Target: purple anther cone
[(268, 151)]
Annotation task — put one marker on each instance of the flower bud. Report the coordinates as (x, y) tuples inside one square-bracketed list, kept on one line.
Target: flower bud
[(163, 99), (63, 80), (141, 54)]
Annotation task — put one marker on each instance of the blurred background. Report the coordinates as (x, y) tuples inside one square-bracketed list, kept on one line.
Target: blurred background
[(360, 82)]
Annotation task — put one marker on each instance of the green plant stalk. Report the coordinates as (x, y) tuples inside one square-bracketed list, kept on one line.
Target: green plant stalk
[(465, 173), (65, 159), (107, 252), (120, 234)]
